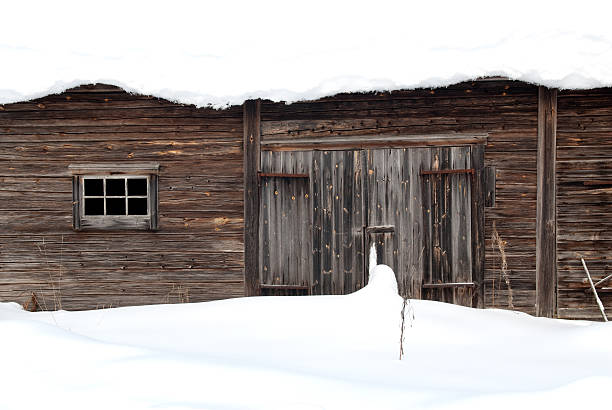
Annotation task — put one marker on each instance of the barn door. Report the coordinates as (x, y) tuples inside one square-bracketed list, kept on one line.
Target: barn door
[(447, 275), (311, 223), (419, 215), (338, 211), (285, 226), (321, 210)]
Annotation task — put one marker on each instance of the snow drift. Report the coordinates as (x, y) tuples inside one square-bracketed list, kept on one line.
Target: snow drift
[(332, 352)]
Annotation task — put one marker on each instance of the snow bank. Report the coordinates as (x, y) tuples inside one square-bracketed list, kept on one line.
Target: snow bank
[(331, 352), (220, 53)]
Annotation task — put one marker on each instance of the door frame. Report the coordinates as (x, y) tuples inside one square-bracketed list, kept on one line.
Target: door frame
[(253, 145)]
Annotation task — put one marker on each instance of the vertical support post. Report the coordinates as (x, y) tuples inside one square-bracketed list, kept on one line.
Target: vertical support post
[(76, 203), (546, 221), (252, 164), (153, 202), (478, 226)]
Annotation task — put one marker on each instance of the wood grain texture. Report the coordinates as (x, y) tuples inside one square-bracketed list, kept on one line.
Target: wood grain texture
[(505, 111), (251, 161), (197, 252), (584, 199), (201, 199), (546, 225)]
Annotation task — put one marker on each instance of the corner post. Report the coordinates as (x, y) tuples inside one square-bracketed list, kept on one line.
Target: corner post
[(546, 220), (252, 160)]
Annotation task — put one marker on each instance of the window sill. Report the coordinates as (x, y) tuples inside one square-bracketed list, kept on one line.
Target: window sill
[(119, 222)]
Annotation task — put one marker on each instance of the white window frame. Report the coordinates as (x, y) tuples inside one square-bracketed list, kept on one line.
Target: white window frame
[(148, 171), (104, 196)]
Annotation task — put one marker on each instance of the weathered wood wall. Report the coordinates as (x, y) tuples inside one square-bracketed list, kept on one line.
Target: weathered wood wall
[(506, 110), (197, 253), (584, 199)]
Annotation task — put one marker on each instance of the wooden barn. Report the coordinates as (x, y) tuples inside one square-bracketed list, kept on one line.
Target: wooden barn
[(484, 193)]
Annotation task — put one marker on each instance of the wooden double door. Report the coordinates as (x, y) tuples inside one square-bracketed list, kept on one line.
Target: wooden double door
[(320, 211)]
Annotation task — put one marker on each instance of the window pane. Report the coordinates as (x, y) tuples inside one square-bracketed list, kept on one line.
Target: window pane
[(94, 206), (115, 187), (93, 187), (115, 206), (137, 206), (137, 186)]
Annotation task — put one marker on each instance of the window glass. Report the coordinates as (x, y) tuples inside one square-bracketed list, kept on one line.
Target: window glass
[(137, 206), (137, 186), (115, 187), (115, 206), (94, 206), (94, 187)]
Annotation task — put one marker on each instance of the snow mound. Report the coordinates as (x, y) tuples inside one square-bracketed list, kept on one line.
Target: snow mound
[(381, 278)]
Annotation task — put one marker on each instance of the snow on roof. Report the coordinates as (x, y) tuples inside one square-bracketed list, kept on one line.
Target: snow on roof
[(220, 53)]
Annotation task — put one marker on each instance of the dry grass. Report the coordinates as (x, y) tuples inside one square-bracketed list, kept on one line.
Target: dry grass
[(54, 273), (500, 244), (177, 294)]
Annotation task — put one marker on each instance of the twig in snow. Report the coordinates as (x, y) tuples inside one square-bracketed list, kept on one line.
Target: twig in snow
[(408, 311), (601, 308)]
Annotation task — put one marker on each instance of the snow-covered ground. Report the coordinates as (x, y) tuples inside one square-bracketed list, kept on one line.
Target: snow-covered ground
[(221, 52), (319, 352)]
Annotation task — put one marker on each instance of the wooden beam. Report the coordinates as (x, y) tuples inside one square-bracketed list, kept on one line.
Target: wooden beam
[(76, 203), (448, 285), (252, 162), (478, 226), (546, 221), (339, 142), (448, 171)]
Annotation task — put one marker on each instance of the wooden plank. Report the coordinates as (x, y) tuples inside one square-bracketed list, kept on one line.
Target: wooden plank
[(358, 221), (116, 168), (252, 109), (460, 216), (427, 210), (368, 141), (366, 203), (447, 237), (276, 233), (305, 209), (448, 285), (264, 223), (327, 190), (415, 268), (478, 225), (264, 286), (281, 175), (489, 186), (436, 214), (394, 205), (448, 171), (154, 202), (546, 229), (404, 239), (347, 205), (76, 203), (316, 187)]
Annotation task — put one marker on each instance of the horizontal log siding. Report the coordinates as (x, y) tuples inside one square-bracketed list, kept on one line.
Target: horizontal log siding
[(504, 109), (196, 255), (584, 199)]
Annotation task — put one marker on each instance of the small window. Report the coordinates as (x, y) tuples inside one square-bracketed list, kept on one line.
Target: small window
[(105, 196), (115, 196)]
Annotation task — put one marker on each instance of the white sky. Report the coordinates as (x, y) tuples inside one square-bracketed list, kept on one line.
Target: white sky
[(222, 52)]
